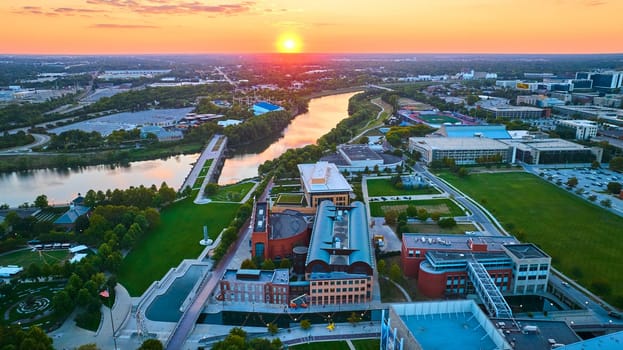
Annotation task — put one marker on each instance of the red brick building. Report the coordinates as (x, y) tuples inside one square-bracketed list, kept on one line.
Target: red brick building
[(276, 234)]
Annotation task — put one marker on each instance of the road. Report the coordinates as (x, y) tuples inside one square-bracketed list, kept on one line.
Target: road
[(477, 213), (231, 82), (40, 139)]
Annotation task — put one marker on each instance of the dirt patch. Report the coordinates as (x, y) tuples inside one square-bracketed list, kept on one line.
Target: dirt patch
[(434, 208)]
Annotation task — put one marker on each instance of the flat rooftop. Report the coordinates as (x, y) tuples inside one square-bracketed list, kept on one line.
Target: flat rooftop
[(558, 331), (449, 242), (323, 177), (526, 251), (547, 144), (513, 109), (280, 276), (462, 131), (612, 341), (359, 152), (462, 143)]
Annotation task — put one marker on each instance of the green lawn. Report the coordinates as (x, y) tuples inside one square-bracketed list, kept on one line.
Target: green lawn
[(232, 193), (322, 345), (290, 199), (434, 228), (366, 344), (583, 239), (383, 187), (176, 238), (24, 258), (443, 206)]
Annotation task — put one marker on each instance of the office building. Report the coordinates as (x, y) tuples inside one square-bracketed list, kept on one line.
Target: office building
[(323, 181), (464, 150), (358, 158), (275, 235), (514, 112), (584, 129), (465, 131), (255, 286), (530, 268), (552, 151)]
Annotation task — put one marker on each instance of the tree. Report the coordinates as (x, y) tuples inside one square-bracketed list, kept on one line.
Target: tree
[(41, 201), (616, 164), (91, 346), (446, 222), (395, 274), (390, 217), (595, 165), (422, 214), (606, 203), (268, 265), (248, 264), (381, 266), (354, 318), (211, 189), (471, 99), (412, 211), (151, 344), (272, 328), (285, 263), (62, 303), (614, 187), (572, 182), (305, 324)]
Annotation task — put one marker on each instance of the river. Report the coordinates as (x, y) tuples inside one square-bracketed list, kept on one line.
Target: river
[(60, 186)]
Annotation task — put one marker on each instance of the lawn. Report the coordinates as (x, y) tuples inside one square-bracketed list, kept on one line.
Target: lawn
[(366, 344), (318, 345), (442, 206), (26, 257), (583, 239), (176, 238), (438, 119), (383, 187), (460, 228), (290, 199), (232, 193)]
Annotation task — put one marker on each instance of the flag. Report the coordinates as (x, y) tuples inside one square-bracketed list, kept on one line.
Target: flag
[(105, 293)]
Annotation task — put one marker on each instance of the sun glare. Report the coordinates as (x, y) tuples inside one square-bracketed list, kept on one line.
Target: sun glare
[(289, 43)]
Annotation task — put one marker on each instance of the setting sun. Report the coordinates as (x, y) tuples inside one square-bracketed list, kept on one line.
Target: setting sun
[(289, 43)]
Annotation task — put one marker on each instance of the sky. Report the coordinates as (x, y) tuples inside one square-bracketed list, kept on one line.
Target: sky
[(315, 26)]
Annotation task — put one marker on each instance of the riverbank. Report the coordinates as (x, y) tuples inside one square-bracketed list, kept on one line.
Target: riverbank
[(335, 92)]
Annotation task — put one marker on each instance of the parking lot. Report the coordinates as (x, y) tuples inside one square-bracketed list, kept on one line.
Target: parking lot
[(591, 182)]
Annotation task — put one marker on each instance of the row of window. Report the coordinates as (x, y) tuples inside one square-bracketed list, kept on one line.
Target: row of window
[(533, 267), (523, 278), (337, 282), (337, 290)]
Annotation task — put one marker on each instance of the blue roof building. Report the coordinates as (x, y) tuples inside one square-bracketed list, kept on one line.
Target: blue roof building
[(462, 131), (68, 219), (264, 107)]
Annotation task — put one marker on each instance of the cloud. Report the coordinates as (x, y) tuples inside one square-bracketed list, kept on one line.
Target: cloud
[(122, 26), (175, 6), (64, 11), (71, 11)]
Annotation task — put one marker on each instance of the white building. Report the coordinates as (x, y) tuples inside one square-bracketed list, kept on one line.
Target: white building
[(465, 150), (584, 129)]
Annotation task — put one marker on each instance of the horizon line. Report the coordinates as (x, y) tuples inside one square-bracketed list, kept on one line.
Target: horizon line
[(309, 53)]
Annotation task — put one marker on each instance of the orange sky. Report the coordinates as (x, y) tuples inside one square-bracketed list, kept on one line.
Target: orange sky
[(207, 26)]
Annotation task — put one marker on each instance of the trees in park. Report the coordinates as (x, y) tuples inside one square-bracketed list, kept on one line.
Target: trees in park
[(151, 344), (272, 328), (13, 337), (395, 274), (616, 164), (381, 267), (305, 324), (614, 187), (446, 222), (572, 182), (354, 318), (390, 217), (248, 264)]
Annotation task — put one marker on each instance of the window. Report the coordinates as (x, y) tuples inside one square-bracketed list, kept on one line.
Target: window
[(411, 252), (544, 267), (417, 253), (523, 268)]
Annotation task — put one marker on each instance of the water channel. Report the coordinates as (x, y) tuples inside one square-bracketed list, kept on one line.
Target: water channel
[(61, 185)]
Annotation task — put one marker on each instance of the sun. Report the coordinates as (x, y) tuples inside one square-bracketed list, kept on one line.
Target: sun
[(289, 43)]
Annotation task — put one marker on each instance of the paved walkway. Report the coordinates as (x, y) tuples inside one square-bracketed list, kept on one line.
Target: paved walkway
[(404, 292), (70, 336)]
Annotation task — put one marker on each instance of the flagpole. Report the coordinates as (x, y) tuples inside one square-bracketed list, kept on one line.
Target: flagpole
[(112, 323)]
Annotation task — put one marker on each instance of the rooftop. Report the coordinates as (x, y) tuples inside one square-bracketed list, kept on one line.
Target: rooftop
[(287, 224), (463, 143), (340, 235), (462, 131), (547, 333), (546, 144), (613, 341), (359, 152), (513, 108), (450, 242), (280, 276), (267, 106), (526, 251), (323, 177)]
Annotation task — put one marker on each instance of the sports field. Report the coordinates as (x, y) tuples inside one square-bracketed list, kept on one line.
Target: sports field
[(438, 119), (384, 187), (176, 238), (583, 239), (26, 257)]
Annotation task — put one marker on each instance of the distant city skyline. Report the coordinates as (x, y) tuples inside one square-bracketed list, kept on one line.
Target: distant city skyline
[(321, 26)]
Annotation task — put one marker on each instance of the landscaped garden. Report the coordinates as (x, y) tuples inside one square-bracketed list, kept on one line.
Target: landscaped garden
[(232, 193), (31, 304), (583, 239), (384, 187), (176, 238), (445, 207)]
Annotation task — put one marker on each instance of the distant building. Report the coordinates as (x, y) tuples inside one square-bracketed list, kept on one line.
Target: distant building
[(465, 150), (255, 286), (76, 210), (262, 107), (356, 158), (610, 100), (514, 112), (584, 129), (228, 122), (552, 151), (132, 74), (160, 133), (464, 131), (603, 80), (323, 181), (614, 115)]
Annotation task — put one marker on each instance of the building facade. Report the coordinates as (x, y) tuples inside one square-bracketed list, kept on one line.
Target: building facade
[(514, 112), (464, 151), (584, 129), (255, 286)]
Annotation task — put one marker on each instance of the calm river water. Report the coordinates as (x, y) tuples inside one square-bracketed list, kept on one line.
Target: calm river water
[(63, 185)]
